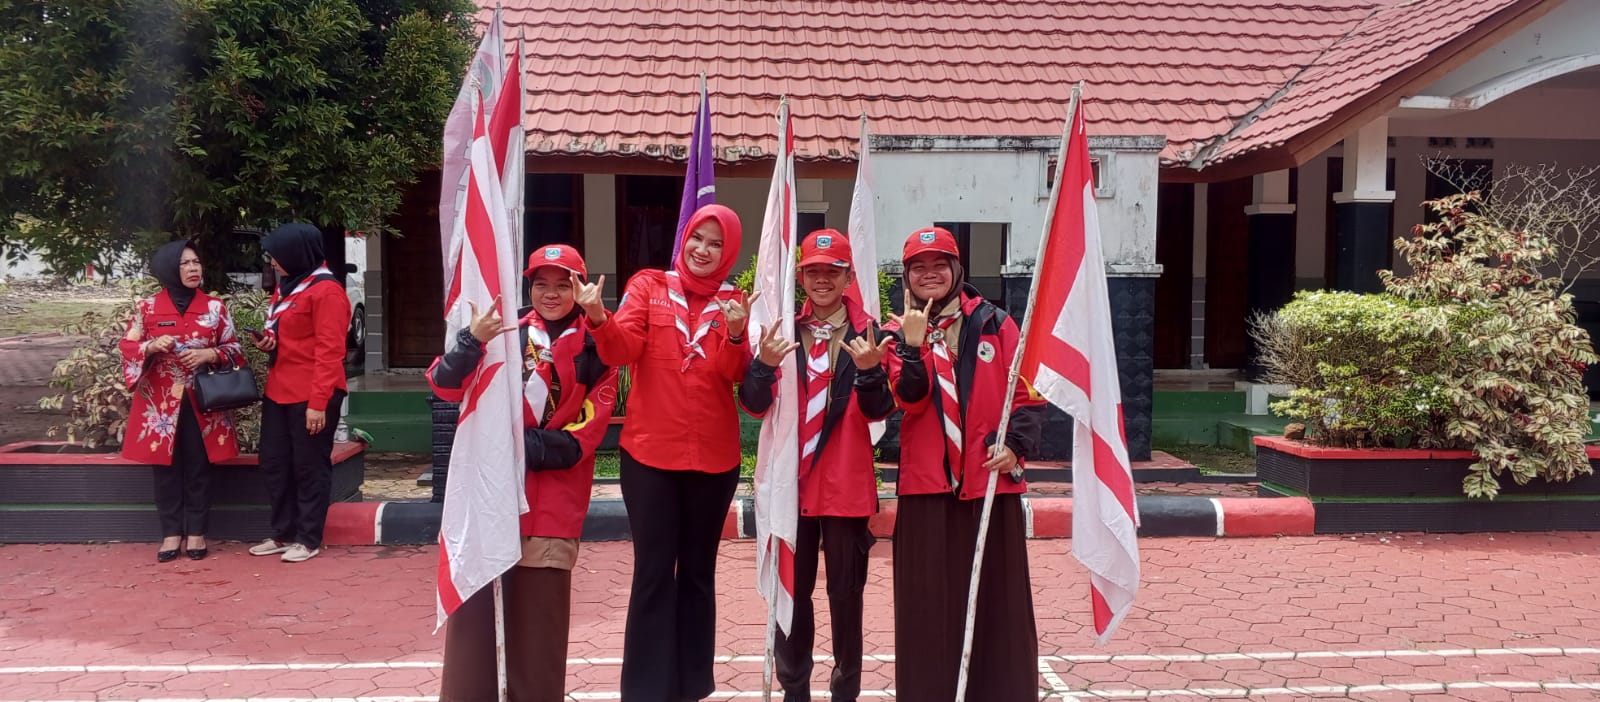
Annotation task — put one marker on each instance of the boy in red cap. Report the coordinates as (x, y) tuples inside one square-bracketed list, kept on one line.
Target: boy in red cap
[(949, 370), (843, 393), (568, 396), (681, 332)]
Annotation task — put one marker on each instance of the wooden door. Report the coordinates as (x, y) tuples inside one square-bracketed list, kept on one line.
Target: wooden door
[(1175, 288), (1227, 272), (413, 298)]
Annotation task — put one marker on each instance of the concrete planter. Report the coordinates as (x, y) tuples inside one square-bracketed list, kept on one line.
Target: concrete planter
[(61, 493), (1364, 490)]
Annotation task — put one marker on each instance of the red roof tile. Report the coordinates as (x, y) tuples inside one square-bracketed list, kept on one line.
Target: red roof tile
[(1393, 39), (621, 76)]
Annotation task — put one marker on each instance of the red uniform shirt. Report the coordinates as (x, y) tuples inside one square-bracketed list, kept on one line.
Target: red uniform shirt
[(311, 334)]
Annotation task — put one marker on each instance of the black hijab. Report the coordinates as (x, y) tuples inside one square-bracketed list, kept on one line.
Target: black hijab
[(164, 267), (297, 247)]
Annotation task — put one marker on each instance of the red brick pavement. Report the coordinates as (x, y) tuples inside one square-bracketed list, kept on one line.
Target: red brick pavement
[(1490, 617)]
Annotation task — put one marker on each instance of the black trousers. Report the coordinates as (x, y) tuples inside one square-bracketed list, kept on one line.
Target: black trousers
[(676, 517), (299, 470), (845, 542), (935, 538), (183, 491)]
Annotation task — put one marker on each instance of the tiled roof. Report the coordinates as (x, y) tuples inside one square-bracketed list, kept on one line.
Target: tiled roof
[(1393, 39), (620, 77)]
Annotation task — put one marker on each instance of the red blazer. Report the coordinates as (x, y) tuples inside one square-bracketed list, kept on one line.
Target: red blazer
[(160, 383), (677, 419), (841, 479), (560, 477), (311, 336), (983, 364)]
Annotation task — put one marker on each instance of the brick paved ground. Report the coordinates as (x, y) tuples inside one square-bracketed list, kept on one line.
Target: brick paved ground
[(1479, 617)]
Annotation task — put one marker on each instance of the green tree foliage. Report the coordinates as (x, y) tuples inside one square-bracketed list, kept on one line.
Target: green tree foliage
[(130, 120)]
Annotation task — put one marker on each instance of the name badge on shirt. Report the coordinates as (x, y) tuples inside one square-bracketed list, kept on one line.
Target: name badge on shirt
[(167, 324)]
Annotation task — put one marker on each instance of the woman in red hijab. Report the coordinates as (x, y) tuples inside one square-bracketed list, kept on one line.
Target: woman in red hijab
[(682, 332)]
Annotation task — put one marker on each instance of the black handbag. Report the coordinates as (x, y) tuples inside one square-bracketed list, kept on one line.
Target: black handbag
[(225, 387)]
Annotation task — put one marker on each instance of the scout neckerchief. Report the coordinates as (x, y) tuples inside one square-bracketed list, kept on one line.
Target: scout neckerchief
[(680, 308)]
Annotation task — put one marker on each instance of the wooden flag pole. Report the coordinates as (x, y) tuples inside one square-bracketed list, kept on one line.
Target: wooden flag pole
[(1005, 412), (500, 640)]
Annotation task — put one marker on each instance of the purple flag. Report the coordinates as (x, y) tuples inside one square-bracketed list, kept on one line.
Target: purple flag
[(699, 184)]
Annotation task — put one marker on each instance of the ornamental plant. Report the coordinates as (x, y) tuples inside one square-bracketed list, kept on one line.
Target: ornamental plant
[(1475, 349)]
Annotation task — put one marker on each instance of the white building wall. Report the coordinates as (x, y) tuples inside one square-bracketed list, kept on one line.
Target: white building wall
[(918, 181)]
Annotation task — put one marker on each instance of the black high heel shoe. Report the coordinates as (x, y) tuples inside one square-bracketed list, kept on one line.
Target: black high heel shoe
[(196, 554), (166, 556)]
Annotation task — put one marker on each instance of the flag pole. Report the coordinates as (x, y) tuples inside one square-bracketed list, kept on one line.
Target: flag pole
[(1011, 389)]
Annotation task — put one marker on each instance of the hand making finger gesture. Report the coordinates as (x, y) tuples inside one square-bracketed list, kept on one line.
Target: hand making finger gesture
[(587, 295), (915, 324), (774, 348), (866, 353), (737, 313), (489, 324)]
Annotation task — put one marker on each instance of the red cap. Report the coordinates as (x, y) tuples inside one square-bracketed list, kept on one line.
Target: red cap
[(558, 255), (825, 246), (936, 239)]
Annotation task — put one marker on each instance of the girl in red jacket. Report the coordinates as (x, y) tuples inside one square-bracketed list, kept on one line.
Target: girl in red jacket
[(172, 333), (574, 390), (838, 482), (949, 371), (305, 335), (682, 333)]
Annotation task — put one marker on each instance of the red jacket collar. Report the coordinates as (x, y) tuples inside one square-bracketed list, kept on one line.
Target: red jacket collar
[(199, 305)]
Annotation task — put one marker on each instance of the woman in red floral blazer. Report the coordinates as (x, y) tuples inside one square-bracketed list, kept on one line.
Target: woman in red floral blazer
[(170, 334)]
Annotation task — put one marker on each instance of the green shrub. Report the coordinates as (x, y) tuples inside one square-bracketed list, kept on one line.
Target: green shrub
[(94, 393), (1363, 367)]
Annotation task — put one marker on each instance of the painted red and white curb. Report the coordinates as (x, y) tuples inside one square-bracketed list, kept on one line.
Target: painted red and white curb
[(394, 523)]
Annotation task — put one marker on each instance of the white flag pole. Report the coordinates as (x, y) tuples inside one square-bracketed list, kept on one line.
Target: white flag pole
[(1005, 412)]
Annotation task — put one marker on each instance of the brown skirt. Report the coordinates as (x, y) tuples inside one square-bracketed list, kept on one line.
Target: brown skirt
[(538, 607), (934, 540)]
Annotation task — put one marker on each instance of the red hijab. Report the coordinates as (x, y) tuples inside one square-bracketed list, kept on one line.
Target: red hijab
[(731, 238)]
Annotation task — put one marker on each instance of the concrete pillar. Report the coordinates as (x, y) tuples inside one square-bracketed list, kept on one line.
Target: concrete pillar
[(1271, 250), (1364, 207)]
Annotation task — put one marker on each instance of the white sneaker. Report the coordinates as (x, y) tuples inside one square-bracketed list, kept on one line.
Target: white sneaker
[(268, 548), (298, 553)]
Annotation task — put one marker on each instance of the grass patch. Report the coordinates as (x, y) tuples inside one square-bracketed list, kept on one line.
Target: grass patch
[(1213, 459), (608, 464), (46, 316)]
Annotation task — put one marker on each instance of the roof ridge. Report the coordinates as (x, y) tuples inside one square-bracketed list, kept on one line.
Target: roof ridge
[(1205, 152)]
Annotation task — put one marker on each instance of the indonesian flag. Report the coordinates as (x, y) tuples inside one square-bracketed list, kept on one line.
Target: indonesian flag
[(1070, 359), (480, 90), (479, 535), (777, 480), (864, 247)]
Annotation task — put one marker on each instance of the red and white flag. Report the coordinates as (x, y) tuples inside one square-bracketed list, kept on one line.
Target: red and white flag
[(863, 235), (507, 142), (479, 534), (1070, 359), (863, 231), (777, 479), (478, 95)]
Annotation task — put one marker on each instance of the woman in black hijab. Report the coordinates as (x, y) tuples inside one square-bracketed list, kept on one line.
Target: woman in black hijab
[(170, 335), (305, 335)]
